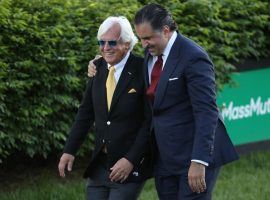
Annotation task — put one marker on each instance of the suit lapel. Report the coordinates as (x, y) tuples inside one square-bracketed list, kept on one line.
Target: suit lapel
[(145, 70), (146, 75), (126, 76), (171, 63), (101, 80)]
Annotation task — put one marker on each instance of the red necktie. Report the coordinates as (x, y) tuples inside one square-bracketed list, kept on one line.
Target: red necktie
[(157, 69)]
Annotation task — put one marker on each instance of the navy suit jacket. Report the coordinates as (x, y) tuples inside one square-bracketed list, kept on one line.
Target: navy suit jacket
[(186, 120)]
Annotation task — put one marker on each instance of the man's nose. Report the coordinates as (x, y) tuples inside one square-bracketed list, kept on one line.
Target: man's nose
[(144, 43), (106, 46)]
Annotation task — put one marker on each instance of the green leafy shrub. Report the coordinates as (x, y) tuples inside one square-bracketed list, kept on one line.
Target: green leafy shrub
[(229, 30), (42, 52), (45, 46)]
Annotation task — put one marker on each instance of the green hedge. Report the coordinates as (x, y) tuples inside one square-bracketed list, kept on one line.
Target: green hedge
[(45, 46), (230, 30)]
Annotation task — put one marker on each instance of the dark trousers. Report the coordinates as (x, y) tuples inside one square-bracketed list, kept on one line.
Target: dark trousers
[(99, 186), (176, 187)]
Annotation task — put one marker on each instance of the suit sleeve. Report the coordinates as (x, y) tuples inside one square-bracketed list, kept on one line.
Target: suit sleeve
[(201, 87), (83, 121)]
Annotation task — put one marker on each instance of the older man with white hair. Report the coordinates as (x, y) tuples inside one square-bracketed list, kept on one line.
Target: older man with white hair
[(115, 101)]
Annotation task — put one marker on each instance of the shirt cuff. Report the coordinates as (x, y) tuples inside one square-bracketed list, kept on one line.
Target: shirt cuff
[(201, 162)]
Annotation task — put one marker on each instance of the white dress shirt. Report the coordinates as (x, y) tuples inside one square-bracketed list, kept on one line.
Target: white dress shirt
[(119, 67), (165, 55)]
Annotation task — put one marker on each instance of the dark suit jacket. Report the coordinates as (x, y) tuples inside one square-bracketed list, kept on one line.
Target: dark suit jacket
[(125, 128), (186, 120)]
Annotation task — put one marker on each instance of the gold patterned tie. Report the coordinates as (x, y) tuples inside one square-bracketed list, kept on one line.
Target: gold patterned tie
[(110, 86)]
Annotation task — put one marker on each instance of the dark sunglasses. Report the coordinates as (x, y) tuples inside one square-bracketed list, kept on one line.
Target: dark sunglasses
[(112, 43)]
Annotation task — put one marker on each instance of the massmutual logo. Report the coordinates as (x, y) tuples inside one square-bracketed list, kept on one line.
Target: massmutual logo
[(256, 106)]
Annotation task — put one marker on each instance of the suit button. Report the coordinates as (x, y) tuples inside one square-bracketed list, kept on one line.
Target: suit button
[(103, 141), (108, 122)]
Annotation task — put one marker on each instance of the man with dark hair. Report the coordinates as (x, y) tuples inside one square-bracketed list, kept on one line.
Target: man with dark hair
[(191, 139)]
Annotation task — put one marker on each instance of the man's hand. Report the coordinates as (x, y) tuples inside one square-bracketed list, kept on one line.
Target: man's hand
[(196, 177), (66, 160), (121, 170), (92, 67)]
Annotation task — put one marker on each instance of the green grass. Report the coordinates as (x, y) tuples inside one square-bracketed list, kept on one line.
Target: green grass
[(246, 179)]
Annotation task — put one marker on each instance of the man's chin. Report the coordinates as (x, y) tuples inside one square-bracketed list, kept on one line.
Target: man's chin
[(152, 52), (109, 59)]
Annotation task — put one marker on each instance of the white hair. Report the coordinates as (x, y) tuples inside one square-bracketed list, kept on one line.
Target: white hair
[(127, 34)]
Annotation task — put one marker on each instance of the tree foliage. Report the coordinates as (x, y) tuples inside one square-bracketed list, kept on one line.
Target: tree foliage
[(45, 46)]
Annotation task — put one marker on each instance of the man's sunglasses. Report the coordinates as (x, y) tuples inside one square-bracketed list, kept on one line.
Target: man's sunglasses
[(112, 43)]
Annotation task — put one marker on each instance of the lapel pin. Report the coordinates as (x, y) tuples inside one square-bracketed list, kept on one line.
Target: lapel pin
[(129, 73), (135, 173)]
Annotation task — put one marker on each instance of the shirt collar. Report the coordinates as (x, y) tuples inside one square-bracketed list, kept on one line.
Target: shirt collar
[(169, 45)]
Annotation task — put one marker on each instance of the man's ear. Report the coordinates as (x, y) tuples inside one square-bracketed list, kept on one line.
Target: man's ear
[(127, 45), (166, 30)]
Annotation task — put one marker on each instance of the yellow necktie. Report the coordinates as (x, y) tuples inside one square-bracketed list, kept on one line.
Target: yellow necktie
[(110, 86)]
